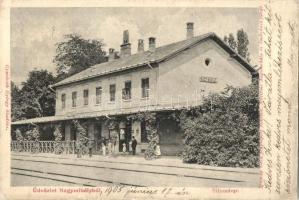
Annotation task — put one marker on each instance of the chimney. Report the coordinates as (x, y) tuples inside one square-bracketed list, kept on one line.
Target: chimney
[(190, 33), (112, 54), (152, 44), (125, 48), (140, 46)]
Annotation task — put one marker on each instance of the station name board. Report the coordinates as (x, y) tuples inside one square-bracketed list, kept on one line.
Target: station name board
[(207, 79)]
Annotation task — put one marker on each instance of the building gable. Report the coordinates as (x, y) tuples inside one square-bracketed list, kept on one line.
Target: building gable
[(195, 72)]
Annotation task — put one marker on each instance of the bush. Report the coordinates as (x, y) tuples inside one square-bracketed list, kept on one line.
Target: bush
[(150, 120), (58, 149), (224, 130), (35, 134), (20, 139), (19, 135), (82, 136)]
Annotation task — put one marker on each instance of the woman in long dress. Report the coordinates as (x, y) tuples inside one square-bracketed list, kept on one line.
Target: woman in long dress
[(104, 148), (109, 147), (157, 150)]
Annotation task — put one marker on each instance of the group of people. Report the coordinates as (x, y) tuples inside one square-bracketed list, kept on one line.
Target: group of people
[(109, 146)]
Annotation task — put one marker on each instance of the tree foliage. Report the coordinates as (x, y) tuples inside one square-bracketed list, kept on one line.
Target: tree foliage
[(242, 44), (35, 134), (82, 133), (75, 54), (239, 43), (225, 133), (20, 139), (28, 135), (57, 133), (19, 135), (16, 103), (151, 125), (58, 149), (34, 99), (231, 41)]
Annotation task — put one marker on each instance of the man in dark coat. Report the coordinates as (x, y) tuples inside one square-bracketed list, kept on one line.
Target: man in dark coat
[(134, 144)]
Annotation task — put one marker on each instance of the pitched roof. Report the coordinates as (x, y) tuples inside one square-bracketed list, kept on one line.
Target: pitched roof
[(141, 59)]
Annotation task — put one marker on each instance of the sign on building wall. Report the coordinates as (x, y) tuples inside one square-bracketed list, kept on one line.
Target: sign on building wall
[(207, 79)]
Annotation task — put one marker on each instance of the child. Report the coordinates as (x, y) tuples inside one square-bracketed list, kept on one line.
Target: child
[(124, 148)]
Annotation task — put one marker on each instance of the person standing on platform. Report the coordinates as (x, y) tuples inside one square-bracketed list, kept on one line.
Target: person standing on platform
[(158, 151), (104, 147), (124, 148), (134, 144), (121, 137), (114, 143), (109, 146), (130, 147), (90, 146), (67, 147), (78, 148)]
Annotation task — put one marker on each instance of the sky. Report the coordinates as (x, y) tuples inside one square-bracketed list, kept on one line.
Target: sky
[(36, 31)]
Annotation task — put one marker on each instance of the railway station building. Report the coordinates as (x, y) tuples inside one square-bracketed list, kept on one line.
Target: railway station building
[(161, 79)]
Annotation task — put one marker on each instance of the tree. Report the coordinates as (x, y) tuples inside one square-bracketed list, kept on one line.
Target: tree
[(224, 131), (20, 139), (58, 148), (82, 134), (34, 99), (76, 54), (16, 101), (19, 135), (231, 41), (240, 44), (37, 99), (35, 134)]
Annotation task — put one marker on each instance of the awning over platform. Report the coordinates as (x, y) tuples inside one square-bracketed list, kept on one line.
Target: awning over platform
[(39, 120), (107, 113)]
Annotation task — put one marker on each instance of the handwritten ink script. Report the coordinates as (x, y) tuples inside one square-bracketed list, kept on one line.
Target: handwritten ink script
[(277, 61), (123, 191)]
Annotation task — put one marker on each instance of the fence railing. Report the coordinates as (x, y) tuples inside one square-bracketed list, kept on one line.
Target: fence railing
[(67, 147)]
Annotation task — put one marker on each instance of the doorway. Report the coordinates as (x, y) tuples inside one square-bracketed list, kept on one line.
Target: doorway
[(125, 135), (128, 134)]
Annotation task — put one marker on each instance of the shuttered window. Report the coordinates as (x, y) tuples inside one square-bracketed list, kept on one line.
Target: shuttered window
[(145, 87), (85, 96), (98, 95), (112, 91)]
